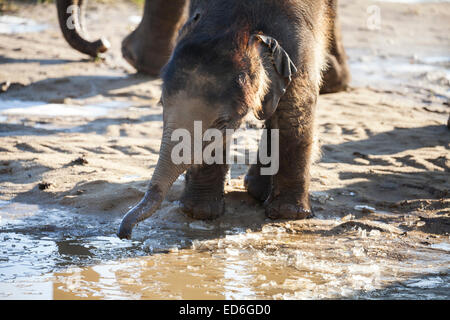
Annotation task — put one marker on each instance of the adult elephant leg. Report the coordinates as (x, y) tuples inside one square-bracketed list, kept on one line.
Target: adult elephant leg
[(203, 196), (70, 17), (148, 48), (337, 77)]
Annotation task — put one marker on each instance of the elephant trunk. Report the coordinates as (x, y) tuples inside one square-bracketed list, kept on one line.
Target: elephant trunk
[(70, 17), (165, 174)]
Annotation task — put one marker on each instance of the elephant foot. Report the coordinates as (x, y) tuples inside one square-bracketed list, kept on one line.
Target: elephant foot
[(203, 196), (337, 77), (140, 53), (257, 186), (148, 48), (130, 50), (287, 207), (208, 208)]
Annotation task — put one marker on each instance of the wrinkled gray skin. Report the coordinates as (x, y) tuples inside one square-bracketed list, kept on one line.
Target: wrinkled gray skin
[(231, 58)]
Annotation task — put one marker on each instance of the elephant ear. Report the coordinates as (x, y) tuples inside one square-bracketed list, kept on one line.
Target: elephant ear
[(279, 69)]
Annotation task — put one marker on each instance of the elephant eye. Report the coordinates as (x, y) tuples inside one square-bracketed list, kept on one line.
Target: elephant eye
[(196, 16), (188, 26)]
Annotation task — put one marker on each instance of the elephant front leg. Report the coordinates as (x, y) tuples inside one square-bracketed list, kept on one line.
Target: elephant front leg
[(203, 196), (289, 196), (149, 46)]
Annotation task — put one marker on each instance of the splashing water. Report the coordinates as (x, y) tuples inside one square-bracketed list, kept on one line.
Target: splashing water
[(53, 254)]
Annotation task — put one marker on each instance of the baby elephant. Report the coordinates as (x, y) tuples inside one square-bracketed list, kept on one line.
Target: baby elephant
[(234, 57)]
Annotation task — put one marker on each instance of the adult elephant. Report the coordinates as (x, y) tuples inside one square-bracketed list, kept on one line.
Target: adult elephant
[(149, 46)]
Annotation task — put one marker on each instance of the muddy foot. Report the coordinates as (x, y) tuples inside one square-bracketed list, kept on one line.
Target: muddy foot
[(142, 55), (286, 207), (205, 209), (337, 77)]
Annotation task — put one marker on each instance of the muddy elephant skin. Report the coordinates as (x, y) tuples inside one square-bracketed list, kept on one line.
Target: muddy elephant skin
[(232, 58)]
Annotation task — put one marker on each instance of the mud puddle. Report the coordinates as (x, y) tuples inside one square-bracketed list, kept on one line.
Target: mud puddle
[(47, 253), (387, 72), (43, 115), (36, 108), (14, 25)]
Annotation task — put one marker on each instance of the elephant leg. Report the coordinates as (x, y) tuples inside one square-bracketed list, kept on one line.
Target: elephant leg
[(289, 196), (149, 46), (203, 196), (337, 77), (257, 185)]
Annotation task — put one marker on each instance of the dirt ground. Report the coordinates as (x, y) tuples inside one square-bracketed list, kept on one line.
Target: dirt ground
[(384, 164)]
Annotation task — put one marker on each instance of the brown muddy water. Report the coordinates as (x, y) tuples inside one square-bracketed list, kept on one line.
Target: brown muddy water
[(47, 253)]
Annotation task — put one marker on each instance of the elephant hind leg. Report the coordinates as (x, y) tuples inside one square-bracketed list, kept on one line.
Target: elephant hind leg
[(337, 77), (258, 186)]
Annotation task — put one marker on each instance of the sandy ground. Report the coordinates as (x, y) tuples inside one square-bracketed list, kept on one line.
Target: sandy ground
[(385, 143)]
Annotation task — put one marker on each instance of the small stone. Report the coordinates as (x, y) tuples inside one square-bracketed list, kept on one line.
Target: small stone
[(44, 185), (421, 223), (80, 161), (374, 233)]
